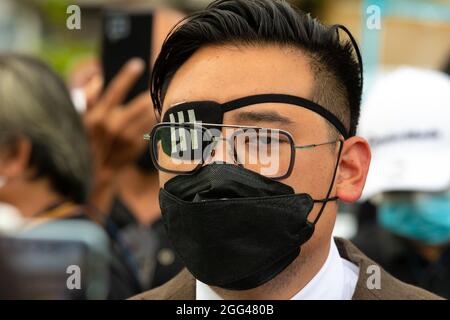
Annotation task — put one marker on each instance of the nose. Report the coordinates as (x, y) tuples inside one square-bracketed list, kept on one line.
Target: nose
[(220, 152)]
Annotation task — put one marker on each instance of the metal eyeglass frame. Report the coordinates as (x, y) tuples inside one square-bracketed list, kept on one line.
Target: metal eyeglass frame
[(149, 137)]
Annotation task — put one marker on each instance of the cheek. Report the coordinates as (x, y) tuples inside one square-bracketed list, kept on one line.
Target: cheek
[(164, 177), (312, 172)]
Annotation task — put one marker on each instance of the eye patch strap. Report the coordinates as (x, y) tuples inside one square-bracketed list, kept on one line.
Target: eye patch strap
[(284, 98), (358, 53)]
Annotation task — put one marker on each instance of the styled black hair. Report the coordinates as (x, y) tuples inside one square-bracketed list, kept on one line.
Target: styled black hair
[(337, 74)]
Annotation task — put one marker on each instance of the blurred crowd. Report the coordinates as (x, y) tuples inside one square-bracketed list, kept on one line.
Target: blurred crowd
[(79, 191), (80, 178)]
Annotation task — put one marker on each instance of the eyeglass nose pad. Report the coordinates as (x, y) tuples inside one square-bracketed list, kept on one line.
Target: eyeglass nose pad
[(217, 154)]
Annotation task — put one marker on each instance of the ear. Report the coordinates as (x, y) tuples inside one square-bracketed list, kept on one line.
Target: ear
[(14, 158), (353, 169)]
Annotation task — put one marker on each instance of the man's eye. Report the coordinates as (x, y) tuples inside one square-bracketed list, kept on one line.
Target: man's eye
[(271, 140), (264, 140), (267, 140)]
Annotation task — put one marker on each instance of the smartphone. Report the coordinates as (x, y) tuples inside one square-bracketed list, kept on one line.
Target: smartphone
[(126, 34)]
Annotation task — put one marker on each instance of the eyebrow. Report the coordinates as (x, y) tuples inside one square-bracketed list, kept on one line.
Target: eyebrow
[(262, 116)]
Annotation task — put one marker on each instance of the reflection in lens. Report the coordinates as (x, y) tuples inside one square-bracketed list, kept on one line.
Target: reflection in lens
[(179, 147)]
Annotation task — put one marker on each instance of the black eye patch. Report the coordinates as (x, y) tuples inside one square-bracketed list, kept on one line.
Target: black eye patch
[(197, 111), (212, 112)]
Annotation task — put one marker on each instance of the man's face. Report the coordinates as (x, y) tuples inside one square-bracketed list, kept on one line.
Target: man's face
[(224, 73)]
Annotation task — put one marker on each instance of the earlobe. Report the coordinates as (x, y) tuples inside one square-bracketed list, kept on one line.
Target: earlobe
[(14, 160), (353, 169)]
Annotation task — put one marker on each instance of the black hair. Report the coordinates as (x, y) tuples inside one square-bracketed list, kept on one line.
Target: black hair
[(337, 74)]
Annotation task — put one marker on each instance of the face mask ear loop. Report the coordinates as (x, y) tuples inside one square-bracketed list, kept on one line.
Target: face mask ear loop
[(355, 46), (327, 198)]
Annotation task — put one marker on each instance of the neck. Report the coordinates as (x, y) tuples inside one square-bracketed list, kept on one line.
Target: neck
[(139, 190), (288, 283), (39, 196)]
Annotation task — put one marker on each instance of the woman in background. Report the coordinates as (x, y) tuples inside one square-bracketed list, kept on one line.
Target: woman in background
[(45, 161), (44, 154)]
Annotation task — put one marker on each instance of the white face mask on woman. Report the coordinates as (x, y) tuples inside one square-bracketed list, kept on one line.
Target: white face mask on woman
[(10, 219)]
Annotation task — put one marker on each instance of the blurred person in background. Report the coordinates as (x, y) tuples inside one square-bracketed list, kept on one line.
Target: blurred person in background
[(45, 165), (126, 183), (44, 155), (406, 120)]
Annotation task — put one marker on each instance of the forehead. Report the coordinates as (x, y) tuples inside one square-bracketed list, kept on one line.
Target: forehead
[(224, 73)]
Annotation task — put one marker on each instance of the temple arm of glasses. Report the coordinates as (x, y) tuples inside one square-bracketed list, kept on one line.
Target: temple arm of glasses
[(309, 146), (147, 137)]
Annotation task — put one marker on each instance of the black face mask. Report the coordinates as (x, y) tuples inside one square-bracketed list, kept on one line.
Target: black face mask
[(234, 228)]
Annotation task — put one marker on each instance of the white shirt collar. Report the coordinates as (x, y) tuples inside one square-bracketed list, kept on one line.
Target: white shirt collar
[(336, 280)]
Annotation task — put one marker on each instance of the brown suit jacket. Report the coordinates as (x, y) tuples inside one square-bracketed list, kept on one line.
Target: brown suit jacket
[(182, 287)]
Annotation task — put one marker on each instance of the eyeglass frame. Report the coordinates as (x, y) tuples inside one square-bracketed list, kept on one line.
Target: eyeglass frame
[(148, 137)]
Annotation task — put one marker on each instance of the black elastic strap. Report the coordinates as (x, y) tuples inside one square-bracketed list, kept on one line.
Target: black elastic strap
[(327, 197), (285, 98), (325, 200), (355, 46)]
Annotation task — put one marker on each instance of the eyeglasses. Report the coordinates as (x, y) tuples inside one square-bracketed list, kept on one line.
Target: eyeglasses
[(183, 148)]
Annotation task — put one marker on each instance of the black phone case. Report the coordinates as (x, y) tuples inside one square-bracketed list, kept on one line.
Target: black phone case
[(126, 35)]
